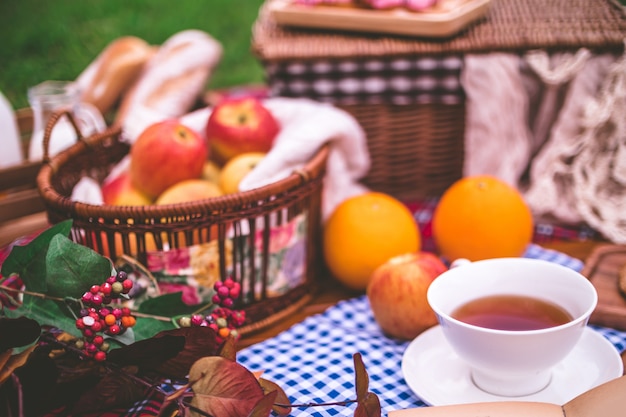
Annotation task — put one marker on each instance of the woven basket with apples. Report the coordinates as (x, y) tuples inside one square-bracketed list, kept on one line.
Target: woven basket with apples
[(166, 201)]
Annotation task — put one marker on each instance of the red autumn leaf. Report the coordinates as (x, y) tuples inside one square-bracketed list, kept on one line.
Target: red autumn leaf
[(264, 407), (368, 402), (223, 388), (369, 406), (229, 349), (361, 378), (281, 396)]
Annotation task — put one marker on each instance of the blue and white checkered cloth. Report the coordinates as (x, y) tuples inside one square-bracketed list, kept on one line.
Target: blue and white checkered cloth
[(312, 361)]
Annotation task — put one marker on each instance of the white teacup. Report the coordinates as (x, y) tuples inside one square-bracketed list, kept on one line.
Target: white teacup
[(512, 363)]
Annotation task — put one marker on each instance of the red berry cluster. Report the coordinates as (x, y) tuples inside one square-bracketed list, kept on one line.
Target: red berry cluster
[(223, 319), (97, 318), (226, 293)]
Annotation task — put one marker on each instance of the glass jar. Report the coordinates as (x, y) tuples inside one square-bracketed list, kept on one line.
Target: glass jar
[(52, 96)]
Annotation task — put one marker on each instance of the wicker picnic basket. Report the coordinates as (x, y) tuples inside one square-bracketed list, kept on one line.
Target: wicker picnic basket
[(417, 145), (233, 224)]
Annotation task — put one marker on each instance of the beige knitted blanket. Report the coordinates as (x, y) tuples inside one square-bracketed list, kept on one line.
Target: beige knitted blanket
[(554, 125)]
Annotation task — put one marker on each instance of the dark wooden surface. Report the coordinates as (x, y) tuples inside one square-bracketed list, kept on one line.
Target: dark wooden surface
[(603, 268)]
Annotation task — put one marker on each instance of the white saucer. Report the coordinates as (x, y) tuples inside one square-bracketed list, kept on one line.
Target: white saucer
[(438, 376)]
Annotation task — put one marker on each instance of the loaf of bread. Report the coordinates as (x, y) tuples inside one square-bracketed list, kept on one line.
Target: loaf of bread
[(171, 81), (112, 72)]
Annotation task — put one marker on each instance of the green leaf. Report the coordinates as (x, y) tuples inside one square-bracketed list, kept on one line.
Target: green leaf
[(148, 327), (71, 268), (21, 257), (126, 338), (54, 265), (45, 312), (167, 305)]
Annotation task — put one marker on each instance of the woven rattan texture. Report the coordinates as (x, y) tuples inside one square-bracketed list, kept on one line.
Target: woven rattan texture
[(126, 230), (417, 150), (510, 25)]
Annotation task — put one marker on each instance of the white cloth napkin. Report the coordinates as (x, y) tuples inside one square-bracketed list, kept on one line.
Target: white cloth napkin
[(307, 125)]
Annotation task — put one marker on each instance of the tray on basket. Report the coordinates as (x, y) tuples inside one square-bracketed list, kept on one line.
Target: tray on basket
[(444, 19), (267, 238)]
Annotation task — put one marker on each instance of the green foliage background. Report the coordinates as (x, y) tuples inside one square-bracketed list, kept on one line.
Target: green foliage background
[(55, 40)]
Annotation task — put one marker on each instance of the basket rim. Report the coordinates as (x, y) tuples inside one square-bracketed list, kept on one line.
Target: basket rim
[(313, 169)]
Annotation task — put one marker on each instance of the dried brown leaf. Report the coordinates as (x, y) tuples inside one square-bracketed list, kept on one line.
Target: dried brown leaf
[(148, 354), (368, 402), (229, 349), (4, 358), (171, 353), (112, 391), (281, 396), (361, 377), (18, 332), (264, 407), (223, 388), (199, 342), (12, 362), (368, 406)]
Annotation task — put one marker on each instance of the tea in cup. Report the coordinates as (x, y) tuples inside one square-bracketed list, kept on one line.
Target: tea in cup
[(512, 319)]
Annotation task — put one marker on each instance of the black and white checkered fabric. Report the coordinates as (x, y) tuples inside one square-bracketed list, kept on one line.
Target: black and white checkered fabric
[(398, 80)]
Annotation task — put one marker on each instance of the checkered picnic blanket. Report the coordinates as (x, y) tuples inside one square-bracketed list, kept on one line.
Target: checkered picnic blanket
[(400, 80), (312, 361)]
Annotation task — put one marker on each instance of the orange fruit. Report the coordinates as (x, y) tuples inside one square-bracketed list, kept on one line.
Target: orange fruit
[(480, 217), (363, 232)]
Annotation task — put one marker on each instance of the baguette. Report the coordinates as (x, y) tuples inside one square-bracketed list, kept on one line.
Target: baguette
[(107, 77), (171, 81)]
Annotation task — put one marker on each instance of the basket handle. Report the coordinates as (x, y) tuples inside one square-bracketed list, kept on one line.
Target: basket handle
[(54, 118)]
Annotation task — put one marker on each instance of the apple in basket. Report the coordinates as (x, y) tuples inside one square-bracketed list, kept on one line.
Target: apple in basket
[(164, 154), (119, 190), (236, 169), (240, 125), (397, 294)]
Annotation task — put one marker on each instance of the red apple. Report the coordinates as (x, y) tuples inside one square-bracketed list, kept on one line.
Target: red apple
[(240, 125), (120, 191), (397, 294), (164, 154)]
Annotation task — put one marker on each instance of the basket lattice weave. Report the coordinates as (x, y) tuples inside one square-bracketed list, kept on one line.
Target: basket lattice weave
[(126, 230), (510, 25), (417, 149)]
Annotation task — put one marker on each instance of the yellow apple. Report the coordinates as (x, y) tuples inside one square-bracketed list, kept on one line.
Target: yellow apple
[(165, 153), (189, 190), (240, 125), (236, 169), (210, 171), (397, 294)]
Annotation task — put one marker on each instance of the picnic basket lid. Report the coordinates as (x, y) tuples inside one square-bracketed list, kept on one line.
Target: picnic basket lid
[(509, 25)]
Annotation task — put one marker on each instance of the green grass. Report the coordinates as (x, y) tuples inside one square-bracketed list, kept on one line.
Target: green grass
[(55, 40)]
